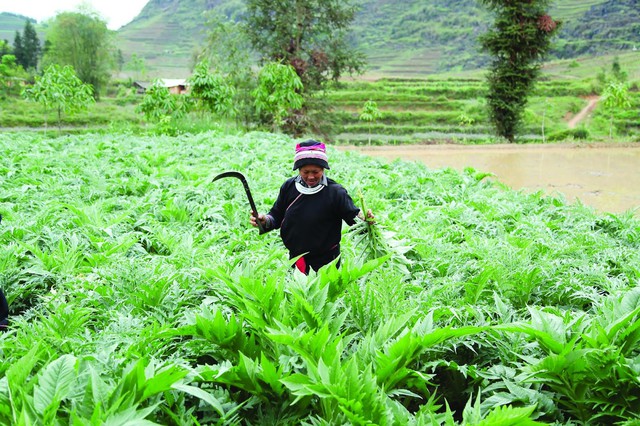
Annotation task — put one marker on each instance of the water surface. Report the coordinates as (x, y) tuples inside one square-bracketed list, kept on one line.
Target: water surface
[(604, 177)]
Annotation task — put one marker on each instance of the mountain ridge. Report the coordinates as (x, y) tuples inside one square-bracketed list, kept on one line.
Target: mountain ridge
[(411, 38), (408, 39)]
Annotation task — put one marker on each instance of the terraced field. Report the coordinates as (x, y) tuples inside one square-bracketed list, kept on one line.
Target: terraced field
[(436, 111), (573, 10)]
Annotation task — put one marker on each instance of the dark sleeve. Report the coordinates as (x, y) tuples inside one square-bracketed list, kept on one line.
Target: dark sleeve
[(346, 208), (4, 307), (278, 209)]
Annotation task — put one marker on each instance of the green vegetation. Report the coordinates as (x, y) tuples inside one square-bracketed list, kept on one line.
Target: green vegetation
[(411, 111), (11, 76), (615, 98), (453, 110), (228, 51), (139, 293), (370, 113), (102, 115), (311, 37), (211, 91), (278, 93), (161, 108), (59, 89), (83, 42), (411, 38), (27, 48), (447, 107), (514, 69)]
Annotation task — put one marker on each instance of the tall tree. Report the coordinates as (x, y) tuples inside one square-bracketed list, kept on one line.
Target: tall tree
[(31, 46), (519, 40), (84, 42), (309, 35), (18, 48)]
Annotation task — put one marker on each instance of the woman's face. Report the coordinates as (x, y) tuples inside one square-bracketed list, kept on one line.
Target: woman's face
[(311, 174)]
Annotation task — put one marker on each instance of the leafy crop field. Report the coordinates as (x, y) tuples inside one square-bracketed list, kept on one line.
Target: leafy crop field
[(140, 295)]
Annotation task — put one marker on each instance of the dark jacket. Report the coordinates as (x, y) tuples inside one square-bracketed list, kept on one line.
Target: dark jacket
[(4, 311), (312, 223)]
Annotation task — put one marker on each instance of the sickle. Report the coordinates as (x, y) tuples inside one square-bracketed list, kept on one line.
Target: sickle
[(254, 211)]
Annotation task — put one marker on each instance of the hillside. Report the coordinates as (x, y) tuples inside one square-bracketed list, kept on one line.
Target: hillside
[(10, 23), (166, 33), (409, 38)]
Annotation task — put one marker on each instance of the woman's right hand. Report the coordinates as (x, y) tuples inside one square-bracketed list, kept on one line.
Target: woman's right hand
[(262, 218)]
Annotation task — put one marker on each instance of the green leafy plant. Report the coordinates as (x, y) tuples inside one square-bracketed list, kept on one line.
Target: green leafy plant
[(61, 90), (514, 71), (210, 91), (589, 364), (161, 107), (615, 97), (278, 93), (370, 113)]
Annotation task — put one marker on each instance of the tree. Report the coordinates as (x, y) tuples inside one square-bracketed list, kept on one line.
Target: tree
[(26, 47), (10, 74), (519, 40), (157, 102), (370, 113), (60, 89), (614, 97), (18, 48), (138, 66), (310, 36), (617, 71), (210, 91), (84, 42), (159, 106), (228, 47), (5, 48), (277, 93), (31, 46)]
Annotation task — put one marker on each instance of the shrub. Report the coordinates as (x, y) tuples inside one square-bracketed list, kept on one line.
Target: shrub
[(580, 133)]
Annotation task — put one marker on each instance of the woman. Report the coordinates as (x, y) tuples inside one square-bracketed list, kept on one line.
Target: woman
[(4, 312), (310, 209)]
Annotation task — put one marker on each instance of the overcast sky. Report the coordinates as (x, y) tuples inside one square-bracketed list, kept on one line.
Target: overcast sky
[(115, 12)]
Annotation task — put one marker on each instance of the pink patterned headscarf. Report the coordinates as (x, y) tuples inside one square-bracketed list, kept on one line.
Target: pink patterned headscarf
[(310, 152)]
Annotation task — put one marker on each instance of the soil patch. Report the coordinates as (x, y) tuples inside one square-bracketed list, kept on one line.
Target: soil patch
[(591, 104)]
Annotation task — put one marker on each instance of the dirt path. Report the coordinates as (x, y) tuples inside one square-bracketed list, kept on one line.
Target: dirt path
[(593, 100)]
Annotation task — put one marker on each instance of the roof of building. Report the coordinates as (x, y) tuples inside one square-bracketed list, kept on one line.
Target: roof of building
[(166, 82)]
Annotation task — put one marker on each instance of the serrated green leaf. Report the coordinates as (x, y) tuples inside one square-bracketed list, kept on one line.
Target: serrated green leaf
[(54, 383)]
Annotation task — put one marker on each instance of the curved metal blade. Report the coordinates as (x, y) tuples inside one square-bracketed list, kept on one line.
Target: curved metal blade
[(245, 184)]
